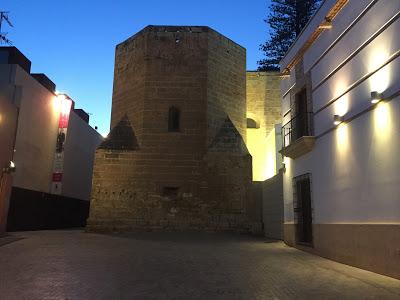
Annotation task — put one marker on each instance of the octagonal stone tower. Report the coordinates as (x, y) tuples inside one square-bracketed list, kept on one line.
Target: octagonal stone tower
[(175, 157)]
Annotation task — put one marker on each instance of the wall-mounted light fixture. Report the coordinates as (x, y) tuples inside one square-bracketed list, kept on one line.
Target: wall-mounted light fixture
[(327, 24), (375, 97), (285, 73), (10, 168), (337, 120), (61, 96)]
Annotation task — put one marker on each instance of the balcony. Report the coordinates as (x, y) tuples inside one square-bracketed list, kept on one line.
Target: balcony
[(298, 138)]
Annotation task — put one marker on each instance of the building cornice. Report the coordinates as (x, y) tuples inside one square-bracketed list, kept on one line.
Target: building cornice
[(331, 15)]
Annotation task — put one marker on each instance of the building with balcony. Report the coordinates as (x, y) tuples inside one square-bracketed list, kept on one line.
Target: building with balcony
[(341, 125)]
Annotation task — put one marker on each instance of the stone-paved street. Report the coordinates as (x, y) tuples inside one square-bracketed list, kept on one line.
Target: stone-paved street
[(76, 265)]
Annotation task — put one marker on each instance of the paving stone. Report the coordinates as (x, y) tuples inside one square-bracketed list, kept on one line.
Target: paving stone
[(175, 265)]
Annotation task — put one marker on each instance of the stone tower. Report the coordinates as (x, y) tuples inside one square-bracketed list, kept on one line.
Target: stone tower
[(175, 157)]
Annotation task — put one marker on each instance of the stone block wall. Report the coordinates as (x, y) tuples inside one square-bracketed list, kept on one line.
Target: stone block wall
[(264, 108), (226, 84), (126, 193), (264, 99), (146, 176), (129, 82), (219, 201), (163, 67)]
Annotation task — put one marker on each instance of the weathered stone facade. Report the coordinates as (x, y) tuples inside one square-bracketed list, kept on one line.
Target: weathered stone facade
[(263, 114), (264, 99), (197, 176)]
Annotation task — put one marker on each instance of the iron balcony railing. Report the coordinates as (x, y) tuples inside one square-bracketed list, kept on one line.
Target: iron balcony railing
[(299, 126)]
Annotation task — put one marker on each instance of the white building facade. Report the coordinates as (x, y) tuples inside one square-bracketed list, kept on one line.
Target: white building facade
[(54, 145), (341, 135)]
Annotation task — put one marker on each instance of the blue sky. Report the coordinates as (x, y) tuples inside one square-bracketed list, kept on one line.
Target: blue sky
[(73, 41)]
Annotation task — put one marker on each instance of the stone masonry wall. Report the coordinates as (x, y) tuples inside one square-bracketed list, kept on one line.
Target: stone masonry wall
[(263, 99), (124, 199), (148, 177), (133, 202), (176, 75), (263, 108), (129, 82), (226, 84), (165, 66)]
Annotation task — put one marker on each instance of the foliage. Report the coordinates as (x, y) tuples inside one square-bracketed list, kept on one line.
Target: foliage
[(286, 19)]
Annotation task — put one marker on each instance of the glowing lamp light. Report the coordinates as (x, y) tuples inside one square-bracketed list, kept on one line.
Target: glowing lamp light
[(66, 106), (327, 24), (61, 97), (337, 120), (285, 73), (10, 168), (375, 97), (65, 109)]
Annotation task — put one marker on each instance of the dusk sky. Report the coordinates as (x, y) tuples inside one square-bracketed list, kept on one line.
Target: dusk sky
[(73, 41)]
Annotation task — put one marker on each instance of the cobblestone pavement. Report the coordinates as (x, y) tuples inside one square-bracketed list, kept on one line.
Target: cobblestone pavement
[(76, 265)]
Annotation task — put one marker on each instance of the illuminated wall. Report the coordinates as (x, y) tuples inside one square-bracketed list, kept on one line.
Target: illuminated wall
[(8, 123), (79, 158), (36, 136), (354, 166), (36, 133), (264, 108), (265, 153)]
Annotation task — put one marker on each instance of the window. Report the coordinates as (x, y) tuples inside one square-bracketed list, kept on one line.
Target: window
[(301, 127), (173, 119), (170, 192), (252, 123), (301, 101), (301, 123)]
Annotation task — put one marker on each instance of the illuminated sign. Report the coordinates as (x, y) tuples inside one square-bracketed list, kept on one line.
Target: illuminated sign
[(65, 105), (57, 177), (65, 110)]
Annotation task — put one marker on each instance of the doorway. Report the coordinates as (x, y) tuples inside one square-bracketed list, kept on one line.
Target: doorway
[(303, 210), (301, 123)]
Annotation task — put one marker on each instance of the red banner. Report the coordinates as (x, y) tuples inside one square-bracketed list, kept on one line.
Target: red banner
[(57, 177), (65, 110)]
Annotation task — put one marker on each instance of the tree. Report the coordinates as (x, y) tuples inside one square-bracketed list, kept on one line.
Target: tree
[(3, 35), (286, 20)]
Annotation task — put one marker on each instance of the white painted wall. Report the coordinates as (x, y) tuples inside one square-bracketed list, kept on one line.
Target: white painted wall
[(8, 123), (272, 207), (330, 37), (355, 167), (80, 146), (37, 135), (36, 131), (317, 19)]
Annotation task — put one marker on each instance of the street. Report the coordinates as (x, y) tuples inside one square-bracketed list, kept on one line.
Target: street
[(72, 264)]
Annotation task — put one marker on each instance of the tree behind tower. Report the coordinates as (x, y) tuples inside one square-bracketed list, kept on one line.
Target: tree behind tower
[(286, 20)]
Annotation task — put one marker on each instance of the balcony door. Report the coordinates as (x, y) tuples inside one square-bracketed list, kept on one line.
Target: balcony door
[(301, 122)]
